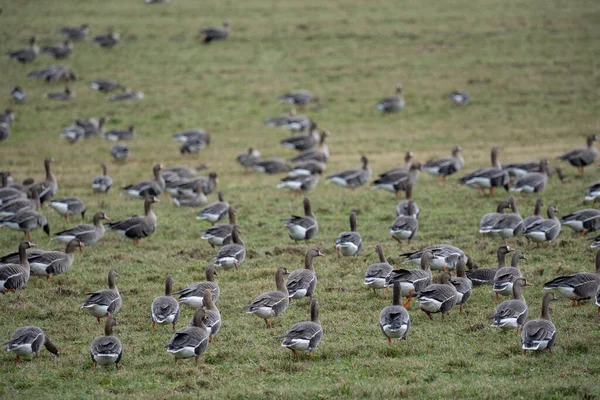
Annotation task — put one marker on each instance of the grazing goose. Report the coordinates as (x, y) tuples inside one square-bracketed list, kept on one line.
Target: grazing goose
[(165, 309), (53, 73), (76, 32), (126, 95), (511, 314), (402, 206), (49, 263), (102, 183), (306, 335), (460, 98), (193, 295), (26, 55), (583, 221), (104, 303), (49, 186), (544, 230), (60, 50), (105, 85), (445, 166), (4, 131), (293, 122), (412, 281), (16, 276), (138, 226), (488, 177), (108, 40), (147, 188), (392, 103), (533, 182), (582, 156), (579, 286), (87, 234), (271, 304), (67, 206), (66, 94), (214, 212), (528, 221), (220, 235), (506, 276), (307, 168), (120, 152), (26, 221), (18, 94), (234, 254), (120, 134), (190, 341), (394, 320), (249, 158), (299, 97), (376, 274), (213, 315), (445, 256), (320, 154), (485, 276), (195, 199), (271, 166), (592, 192), (302, 228), (463, 285), (509, 225), (210, 34), (28, 340), (398, 180), (438, 297), (192, 146), (349, 243), (405, 227), (489, 220), (107, 349), (300, 183), (302, 282), (192, 134), (540, 334), (302, 142), (352, 178)]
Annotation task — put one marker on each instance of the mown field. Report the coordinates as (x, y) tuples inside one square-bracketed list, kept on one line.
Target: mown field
[(532, 70)]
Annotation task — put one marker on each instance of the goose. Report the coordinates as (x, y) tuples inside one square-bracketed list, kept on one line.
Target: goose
[(28, 340), (120, 152), (66, 94), (193, 295), (408, 156), (582, 156), (306, 168), (108, 40), (26, 221), (517, 171), (533, 182), (4, 131), (147, 188), (105, 85), (488, 177), (214, 212), (120, 134), (196, 199), (299, 97), (302, 282), (192, 134), (125, 95), (220, 235), (138, 226), (511, 314), (412, 281), (582, 221), (445, 256), (528, 221), (349, 244), (352, 178), (405, 227), (463, 285), (597, 302), (489, 220), (300, 183), (49, 263), (49, 186), (271, 304), (402, 206), (87, 234), (165, 309), (7, 116), (213, 315), (185, 172), (18, 94), (302, 142), (445, 166), (195, 185), (67, 206), (579, 286), (16, 276), (438, 297), (485, 276), (509, 225), (460, 98), (592, 192), (506, 276), (17, 205), (190, 341), (302, 228), (210, 34), (107, 349), (271, 166), (540, 334), (320, 154), (234, 254), (394, 320), (544, 230), (376, 274), (60, 50), (8, 194), (53, 73), (293, 122), (92, 126), (26, 55), (397, 181), (102, 183), (306, 335), (248, 158), (73, 133), (104, 303), (393, 103), (192, 146), (76, 32)]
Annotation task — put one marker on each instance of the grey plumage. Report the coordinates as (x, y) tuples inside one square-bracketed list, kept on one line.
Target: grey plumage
[(192, 296), (86, 233), (165, 309), (304, 336), (107, 349), (138, 226), (394, 320), (302, 282)]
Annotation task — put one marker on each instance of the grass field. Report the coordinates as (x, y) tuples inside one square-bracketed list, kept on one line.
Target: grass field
[(532, 68)]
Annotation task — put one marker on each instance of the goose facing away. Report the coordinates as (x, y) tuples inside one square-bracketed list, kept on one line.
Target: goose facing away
[(583, 221), (87, 234), (138, 226), (393, 103), (488, 177), (544, 230), (214, 212), (304, 336), (28, 340), (102, 183), (190, 341), (376, 274), (582, 156), (352, 178), (402, 206), (349, 244), (438, 297), (67, 206), (394, 320), (16, 276), (104, 303), (579, 286), (213, 315), (540, 334), (445, 166), (506, 276), (210, 34), (107, 349), (165, 309), (193, 295), (234, 254), (511, 314), (271, 304), (405, 227), (412, 281), (302, 282), (302, 228)]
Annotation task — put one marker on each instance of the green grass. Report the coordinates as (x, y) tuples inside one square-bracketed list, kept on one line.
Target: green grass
[(532, 70)]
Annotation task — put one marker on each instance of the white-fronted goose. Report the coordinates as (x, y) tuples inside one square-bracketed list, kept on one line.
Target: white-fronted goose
[(17, 205), (138, 226), (53, 73), (104, 303), (60, 50), (445, 256), (194, 185), (165, 309), (299, 97), (193, 295), (192, 146), (544, 230), (485, 276), (582, 221), (528, 221), (26, 221), (66, 94), (214, 212), (489, 220), (213, 315), (412, 281), (302, 228), (73, 133), (7, 116), (579, 286), (508, 225), (92, 126), (18, 94), (195, 199), (592, 192), (405, 227), (147, 188), (28, 340), (192, 134), (302, 142), (271, 166), (16, 276), (438, 297), (220, 235), (506, 276), (184, 171), (121, 134), (460, 97), (105, 85), (120, 152), (488, 177), (49, 186), (232, 255), (352, 178), (349, 244), (402, 206), (8, 194), (68, 206), (394, 320), (517, 171), (582, 156), (398, 180), (49, 263), (26, 55), (307, 168), (102, 183), (463, 285), (306, 335), (376, 274), (76, 32), (540, 334), (210, 34), (108, 40), (107, 349), (300, 183), (320, 154), (271, 304), (126, 95), (511, 314), (4, 131), (445, 166), (248, 158), (533, 182), (190, 341), (392, 103), (293, 122), (86, 233), (302, 282)]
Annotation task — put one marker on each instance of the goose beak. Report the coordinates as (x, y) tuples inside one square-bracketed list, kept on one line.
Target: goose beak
[(32, 245), (106, 218), (511, 249), (320, 254), (528, 284), (445, 268)]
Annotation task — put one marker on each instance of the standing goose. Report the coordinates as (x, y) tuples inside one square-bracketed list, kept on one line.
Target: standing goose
[(394, 320), (138, 226), (300, 183), (488, 177), (349, 243), (210, 34), (271, 304), (399, 181), (220, 235), (302, 282), (49, 186), (485, 276), (460, 98), (463, 285), (121, 134), (320, 154), (190, 341), (104, 303), (4, 131), (60, 50), (76, 32), (582, 156), (28, 340), (302, 228), (249, 158), (405, 227), (107, 349), (302, 142), (528, 221), (20, 204), (87, 234), (445, 166), (214, 212), (438, 297), (509, 225), (16, 276), (26, 221), (445, 256), (544, 230), (376, 274), (102, 183), (533, 182), (26, 55), (540, 334), (506, 276), (120, 152), (143, 189), (48, 263), (213, 315), (393, 103), (402, 206), (165, 309), (579, 286), (304, 336), (583, 221), (489, 220), (354, 177), (412, 281), (193, 295), (511, 314), (232, 255), (67, 206)]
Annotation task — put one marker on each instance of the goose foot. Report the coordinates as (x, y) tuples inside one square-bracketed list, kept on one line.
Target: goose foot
[(389, 341), (153, 327), (387, 290)]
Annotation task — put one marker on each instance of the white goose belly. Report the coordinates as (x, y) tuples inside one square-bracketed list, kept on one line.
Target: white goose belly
[(394, 333), (347, 249), (299, 344), (377, 283), (296, 232), (300, 293), (263, 312), (106, 359), (97, 310), (194, 302)]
